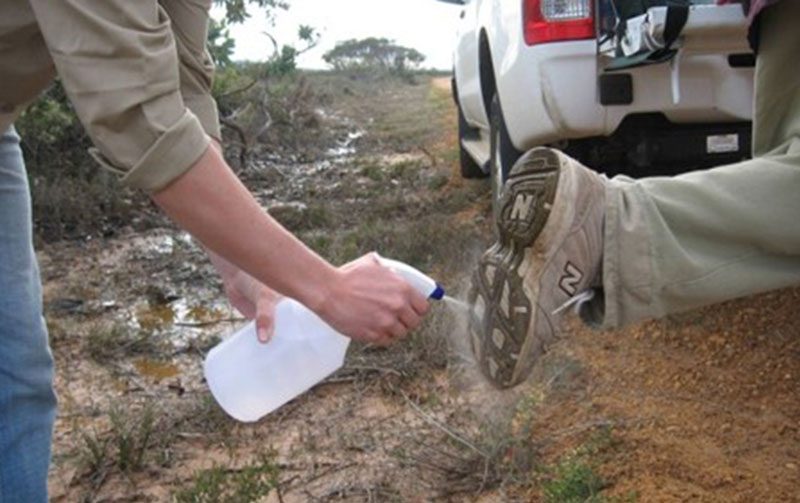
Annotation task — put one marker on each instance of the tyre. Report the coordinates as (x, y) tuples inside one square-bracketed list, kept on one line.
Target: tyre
[(503, 153), (469, 168)]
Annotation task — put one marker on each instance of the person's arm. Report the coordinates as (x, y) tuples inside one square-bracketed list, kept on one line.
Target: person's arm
[(144, 132), (363, 300), (255, 300)]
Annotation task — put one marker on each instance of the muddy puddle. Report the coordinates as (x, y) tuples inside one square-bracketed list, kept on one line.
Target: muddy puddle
[(346, 147), (156, 370), (182, 320)]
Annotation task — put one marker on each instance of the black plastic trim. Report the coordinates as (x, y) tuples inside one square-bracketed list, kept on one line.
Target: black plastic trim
[(615, 89)]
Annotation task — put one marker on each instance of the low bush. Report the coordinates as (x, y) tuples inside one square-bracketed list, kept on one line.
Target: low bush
[(263, 110)]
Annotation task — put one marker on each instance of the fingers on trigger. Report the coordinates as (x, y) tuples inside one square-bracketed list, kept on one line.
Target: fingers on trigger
[(398, 331), (410, 319), (420, 304)]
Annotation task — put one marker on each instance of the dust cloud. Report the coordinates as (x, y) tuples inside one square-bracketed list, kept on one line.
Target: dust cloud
[(492, 406)]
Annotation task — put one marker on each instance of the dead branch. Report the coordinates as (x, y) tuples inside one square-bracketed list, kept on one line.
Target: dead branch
[(443, 428), (240, 90), (274, 43), (368, 368), (243, 144), (428, 155), (333, 468), (200, 324)]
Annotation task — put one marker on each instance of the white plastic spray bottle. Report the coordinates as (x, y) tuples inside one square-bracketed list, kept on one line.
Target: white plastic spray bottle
[(250, 379)]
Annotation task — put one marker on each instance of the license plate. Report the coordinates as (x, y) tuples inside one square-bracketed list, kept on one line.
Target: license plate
[(722, 143)]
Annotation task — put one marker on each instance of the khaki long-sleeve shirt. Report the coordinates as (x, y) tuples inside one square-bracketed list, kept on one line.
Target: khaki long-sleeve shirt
[(137, 72)]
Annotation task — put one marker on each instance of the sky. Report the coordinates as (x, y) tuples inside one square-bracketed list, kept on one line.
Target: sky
[(425, 25)]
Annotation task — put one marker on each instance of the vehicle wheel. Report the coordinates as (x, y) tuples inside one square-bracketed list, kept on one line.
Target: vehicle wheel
[(469, 168), (503, 154)]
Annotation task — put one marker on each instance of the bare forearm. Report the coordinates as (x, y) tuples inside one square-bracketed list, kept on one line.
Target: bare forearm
[(212, 204), (226, 269)]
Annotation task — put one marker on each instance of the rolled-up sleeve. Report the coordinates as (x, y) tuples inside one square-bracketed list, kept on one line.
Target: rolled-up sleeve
[(190, 25), (119, 64)]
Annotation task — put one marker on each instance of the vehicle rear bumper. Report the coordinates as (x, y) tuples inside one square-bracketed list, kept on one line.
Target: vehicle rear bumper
[(550, 93)]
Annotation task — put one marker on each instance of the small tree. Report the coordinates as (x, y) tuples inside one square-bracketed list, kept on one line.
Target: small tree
[(284, 59), (236, 10), (373, 54), (220, 43)]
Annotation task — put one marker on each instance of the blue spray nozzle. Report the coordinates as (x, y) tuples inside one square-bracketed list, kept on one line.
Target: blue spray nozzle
[(438, 293)]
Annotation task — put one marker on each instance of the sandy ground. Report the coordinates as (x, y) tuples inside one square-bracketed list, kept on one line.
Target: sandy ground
[(705, 406), (701, 407)]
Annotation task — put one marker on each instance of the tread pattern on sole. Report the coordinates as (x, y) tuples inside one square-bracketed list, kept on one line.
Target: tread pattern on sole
[(501, 314)]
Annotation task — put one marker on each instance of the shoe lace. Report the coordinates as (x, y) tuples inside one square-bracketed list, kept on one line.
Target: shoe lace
[(577, 300)]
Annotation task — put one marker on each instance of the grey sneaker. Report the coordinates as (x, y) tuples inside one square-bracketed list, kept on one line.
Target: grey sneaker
[(548, 256)]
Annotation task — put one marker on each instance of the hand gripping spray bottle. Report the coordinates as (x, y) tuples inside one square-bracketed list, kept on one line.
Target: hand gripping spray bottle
[(250, 379)]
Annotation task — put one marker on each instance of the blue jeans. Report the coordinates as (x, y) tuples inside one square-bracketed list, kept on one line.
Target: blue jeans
[(27, 399)]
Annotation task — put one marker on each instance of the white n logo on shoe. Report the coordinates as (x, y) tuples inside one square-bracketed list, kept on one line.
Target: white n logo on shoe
[(570, 280), (522, 206)]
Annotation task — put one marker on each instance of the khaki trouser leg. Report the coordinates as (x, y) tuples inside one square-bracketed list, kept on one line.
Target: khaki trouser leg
[(678, 243)]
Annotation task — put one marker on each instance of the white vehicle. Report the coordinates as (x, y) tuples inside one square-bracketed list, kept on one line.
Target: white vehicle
[(562, 73)]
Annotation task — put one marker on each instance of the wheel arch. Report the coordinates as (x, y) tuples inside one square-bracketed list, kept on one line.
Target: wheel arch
[(486, 72)]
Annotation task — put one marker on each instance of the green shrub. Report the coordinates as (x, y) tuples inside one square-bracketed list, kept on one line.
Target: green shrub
[(127, 447), (73, 197), (574, 482), (53, 139), (243, 485)]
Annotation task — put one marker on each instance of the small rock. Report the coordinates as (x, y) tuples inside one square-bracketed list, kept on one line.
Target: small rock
[(791, 466)]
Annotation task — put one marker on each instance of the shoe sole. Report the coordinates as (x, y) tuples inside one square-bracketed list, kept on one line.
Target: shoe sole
[(500, 326)]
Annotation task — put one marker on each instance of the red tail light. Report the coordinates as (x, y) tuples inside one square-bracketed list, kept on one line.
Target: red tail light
[(556, 20)]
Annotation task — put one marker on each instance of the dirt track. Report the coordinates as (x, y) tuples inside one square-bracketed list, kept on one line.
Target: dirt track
[(698, 407)]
